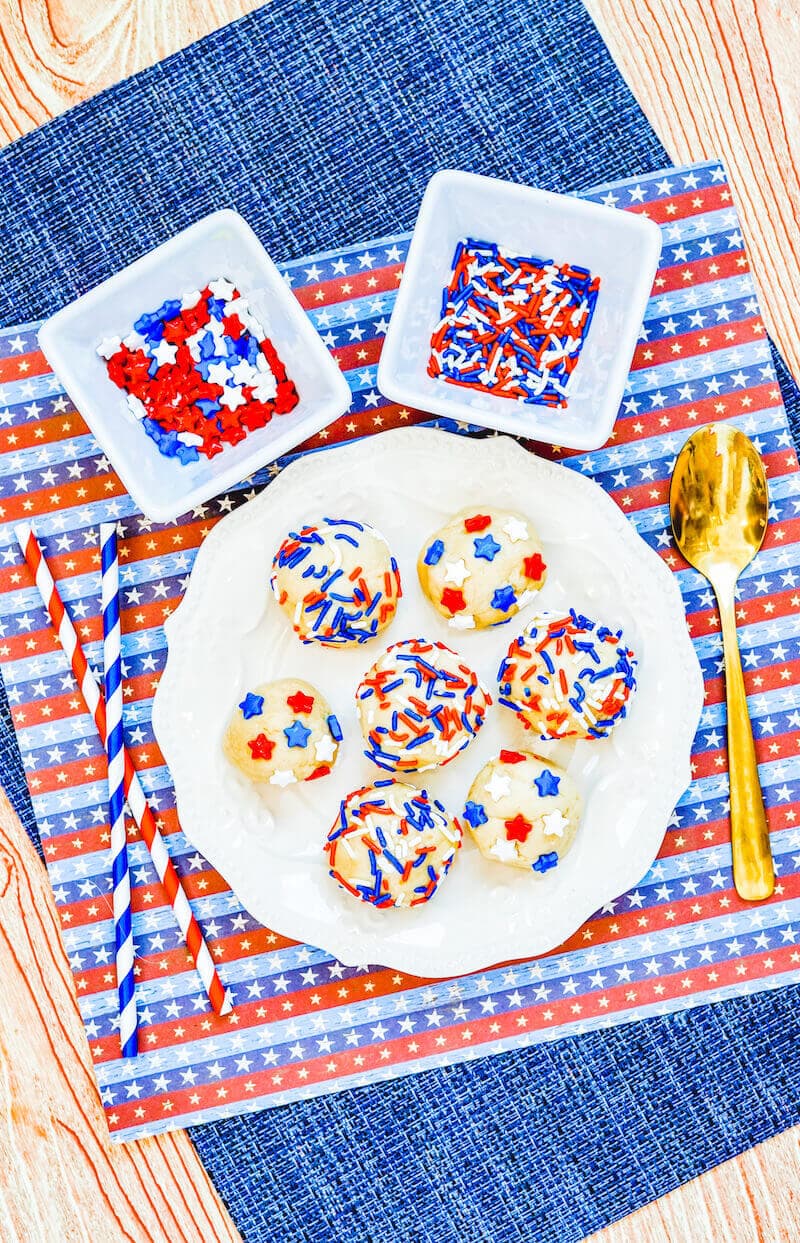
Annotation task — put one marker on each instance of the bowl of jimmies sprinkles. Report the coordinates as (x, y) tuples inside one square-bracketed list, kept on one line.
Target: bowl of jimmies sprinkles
[(519, 309), (194, 366)]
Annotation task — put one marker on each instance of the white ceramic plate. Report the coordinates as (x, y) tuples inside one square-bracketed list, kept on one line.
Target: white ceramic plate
[(229, 634)]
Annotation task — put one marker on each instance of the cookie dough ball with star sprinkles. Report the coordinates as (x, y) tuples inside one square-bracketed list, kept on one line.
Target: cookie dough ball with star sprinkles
[(283, 732), (481, 567), (567, 676), (337, 582), (419, 705), (523, 811), (392, 844)]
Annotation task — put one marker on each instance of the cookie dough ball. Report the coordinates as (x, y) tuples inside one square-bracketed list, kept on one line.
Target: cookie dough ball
[(283, 732), (419, 706), (337, 582), (482, 567), (568, 677), (523, 811), (392, 844)]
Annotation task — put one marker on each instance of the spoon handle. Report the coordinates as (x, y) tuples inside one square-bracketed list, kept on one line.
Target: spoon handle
[(753, 873)]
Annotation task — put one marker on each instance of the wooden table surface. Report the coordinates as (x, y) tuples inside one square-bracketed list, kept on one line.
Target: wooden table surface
[(715, 77)]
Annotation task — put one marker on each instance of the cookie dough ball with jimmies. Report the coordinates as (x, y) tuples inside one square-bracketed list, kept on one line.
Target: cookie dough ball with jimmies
[(419, 706), (567, 676), (392, 844), (337, 582)]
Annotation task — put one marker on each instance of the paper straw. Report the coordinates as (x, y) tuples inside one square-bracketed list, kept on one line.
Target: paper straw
[(140, 810), (121, 880)]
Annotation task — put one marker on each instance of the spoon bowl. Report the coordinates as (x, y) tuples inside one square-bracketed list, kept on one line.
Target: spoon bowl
[(718, 500), (719, 507)]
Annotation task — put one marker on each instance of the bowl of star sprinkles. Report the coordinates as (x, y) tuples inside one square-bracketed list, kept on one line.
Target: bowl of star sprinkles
[(195, 366), (429, 701), (519, 309)]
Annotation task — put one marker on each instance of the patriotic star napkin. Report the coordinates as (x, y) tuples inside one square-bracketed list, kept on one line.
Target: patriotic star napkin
[(303, 1024)]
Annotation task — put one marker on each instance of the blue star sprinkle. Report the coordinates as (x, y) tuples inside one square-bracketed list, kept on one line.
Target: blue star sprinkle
[(486, 547), (252, 705), (216, 307), (504, 599), (208, 346), (547, 783), (545, 862), (434, 554), (297, 735), (475, 815)]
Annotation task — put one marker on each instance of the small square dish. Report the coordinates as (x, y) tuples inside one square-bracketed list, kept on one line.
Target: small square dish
[(220, 249), (601, 260)]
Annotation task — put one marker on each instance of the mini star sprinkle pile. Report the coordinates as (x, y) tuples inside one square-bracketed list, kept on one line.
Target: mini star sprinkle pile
[(511, 325), (199, 372)]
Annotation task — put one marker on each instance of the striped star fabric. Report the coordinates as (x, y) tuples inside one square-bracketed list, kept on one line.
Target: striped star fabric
[(303, 1024)]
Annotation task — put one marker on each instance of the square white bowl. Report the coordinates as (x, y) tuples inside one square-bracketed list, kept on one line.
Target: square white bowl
[(620, 247), (221, 244)]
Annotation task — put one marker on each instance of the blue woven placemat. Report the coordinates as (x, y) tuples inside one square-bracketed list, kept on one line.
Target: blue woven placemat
[(324, 121)]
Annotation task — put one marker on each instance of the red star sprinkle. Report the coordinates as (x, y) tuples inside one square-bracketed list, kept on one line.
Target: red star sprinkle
[(321, 771), (261, 747), (534, 567), (479, 523), (512, 757), (453, 600), (517, 830), (300, 702)]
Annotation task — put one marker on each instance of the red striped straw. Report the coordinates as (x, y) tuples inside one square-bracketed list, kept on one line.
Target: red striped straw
[(140, 810)]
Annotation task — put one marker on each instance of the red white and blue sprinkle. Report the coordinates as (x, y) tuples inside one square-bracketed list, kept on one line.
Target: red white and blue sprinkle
[(403, 842), (590, 703), (340, 607), (419, 695), (199, 373), (512, 325)]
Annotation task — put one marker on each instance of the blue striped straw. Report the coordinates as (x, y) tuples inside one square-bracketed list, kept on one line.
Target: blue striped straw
[(115, 753)]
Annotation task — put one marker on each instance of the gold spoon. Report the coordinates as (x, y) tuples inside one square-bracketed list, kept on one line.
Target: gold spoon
[(718, 505)]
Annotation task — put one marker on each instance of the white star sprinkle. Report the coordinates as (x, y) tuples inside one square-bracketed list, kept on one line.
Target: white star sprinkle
[(108, 346), (325, 748), (515, 530), (503, 850), (219, 373), (498, 786), (462, 621), (554, 824), (456, 572), (165, 353), (232, 397), (221, 288), (283, 777)]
